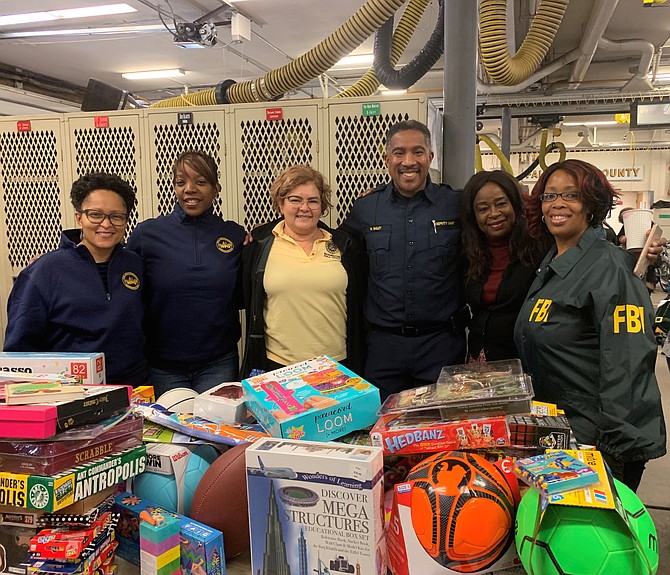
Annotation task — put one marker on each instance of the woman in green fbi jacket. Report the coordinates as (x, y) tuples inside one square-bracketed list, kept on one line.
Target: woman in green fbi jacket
[(585, 330)]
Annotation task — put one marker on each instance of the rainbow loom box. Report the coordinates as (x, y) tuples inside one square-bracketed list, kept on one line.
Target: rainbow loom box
[(318, 399)]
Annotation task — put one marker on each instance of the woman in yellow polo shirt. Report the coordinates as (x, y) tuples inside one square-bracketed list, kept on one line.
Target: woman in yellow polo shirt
[(303, 282)]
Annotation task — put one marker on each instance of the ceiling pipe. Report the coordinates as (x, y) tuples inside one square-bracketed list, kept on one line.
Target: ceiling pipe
[(554, 66), (640, 80), (596, 25)]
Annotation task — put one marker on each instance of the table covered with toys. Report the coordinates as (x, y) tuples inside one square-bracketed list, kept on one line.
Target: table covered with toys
[(303, 471)]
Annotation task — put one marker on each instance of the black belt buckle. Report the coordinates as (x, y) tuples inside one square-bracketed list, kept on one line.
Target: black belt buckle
[(410, 330)]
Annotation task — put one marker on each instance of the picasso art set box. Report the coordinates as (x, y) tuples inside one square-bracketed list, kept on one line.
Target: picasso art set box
[(315, 508), (87, 368), (318, 399)]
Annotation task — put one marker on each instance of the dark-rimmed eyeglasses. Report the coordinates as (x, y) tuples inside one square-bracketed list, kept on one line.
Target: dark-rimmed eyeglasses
[(549, 197), (97, 217)]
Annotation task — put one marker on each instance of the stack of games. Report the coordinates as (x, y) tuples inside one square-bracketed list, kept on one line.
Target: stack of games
[(81, 549), (59, 462)]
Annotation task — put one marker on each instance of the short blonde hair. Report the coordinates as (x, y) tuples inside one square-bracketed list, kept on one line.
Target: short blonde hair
[(296, 176)]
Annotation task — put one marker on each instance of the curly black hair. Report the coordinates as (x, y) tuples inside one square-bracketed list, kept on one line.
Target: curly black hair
[(88, 183)]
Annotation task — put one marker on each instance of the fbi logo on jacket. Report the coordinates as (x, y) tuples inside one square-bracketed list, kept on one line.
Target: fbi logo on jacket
[(224, 245), (130, 280)]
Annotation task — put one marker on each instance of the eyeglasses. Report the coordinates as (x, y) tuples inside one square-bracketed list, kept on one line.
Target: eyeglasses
[(297, 202), (97, 217), (549, 197)]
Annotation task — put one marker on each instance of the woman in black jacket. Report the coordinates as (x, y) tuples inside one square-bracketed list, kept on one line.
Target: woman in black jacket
[(303, 282)]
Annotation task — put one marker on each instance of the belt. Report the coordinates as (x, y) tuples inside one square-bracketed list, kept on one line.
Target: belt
[(411, 330)]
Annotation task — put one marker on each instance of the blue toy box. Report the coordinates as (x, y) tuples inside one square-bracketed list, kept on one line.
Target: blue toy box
[(201, 546), (318, 399)]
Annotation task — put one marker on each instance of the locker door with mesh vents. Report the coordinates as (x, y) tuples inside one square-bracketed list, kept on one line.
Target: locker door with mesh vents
[(108, 143), (33, 198), (267, 140), (171, 132), (356, 143)]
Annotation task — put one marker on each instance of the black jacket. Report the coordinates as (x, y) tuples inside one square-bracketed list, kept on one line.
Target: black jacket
[(492, 326), (254, 258)]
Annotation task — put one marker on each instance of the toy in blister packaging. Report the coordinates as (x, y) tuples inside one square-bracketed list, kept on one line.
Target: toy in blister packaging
[(494, 388), (426, 432)]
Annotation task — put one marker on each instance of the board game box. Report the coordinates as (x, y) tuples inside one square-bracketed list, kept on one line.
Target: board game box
[(315, 507), (318, 399), (88, 368), (44, 420), (50, 493), (426, 432), (555, 472)]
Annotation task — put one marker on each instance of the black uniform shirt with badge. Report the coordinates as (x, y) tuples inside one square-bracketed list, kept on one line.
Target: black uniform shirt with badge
[(414, 251), (585, 335)]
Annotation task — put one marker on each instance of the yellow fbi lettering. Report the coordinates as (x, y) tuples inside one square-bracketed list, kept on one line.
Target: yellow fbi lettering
[(631, 316), (541, 310)]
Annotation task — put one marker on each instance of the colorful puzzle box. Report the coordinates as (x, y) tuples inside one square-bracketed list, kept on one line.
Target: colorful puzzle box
[(201, 545), (315, 508), (318, 399)]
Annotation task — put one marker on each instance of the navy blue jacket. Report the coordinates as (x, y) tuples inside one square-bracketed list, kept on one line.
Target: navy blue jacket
[(193, 300), (59, 303), (414, 250)]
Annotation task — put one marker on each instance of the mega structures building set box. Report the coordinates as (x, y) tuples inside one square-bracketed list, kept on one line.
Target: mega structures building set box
[(87, 368), (318, 399), (315, 508)]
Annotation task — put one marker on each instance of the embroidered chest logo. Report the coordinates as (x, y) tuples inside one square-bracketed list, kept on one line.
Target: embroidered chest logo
[(224, 245), (131, 281), (541, 310), (628, 318), (332, 251)]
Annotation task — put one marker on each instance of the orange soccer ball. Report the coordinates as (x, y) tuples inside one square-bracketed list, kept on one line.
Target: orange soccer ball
[(462, 510)]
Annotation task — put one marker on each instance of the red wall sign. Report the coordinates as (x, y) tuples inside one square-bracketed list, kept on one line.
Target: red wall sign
[(274, 113), (101, 121), (23, 126)]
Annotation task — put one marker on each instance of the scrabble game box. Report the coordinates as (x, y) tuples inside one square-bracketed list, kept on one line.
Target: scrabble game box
[(315, 507), (318, 399)]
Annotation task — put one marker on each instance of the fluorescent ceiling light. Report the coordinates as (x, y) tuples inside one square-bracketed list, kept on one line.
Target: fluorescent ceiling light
[(84, 31), (53, 15), (356, 61), (172, 73), (598, 123)]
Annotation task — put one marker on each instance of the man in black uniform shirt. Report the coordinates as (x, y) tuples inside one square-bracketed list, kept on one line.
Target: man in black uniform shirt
[(412, 233)]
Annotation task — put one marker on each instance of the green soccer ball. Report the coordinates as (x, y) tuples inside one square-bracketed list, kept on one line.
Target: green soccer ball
[(586, 541)]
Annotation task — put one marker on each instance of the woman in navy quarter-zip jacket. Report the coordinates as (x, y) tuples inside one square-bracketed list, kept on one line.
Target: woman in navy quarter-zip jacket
[(86, 296), (191, 260)]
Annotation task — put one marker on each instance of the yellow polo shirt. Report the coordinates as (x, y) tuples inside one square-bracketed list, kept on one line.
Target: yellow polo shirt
[(306, 308)]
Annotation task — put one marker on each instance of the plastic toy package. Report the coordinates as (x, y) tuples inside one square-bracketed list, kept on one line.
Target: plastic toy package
[(497, 387)]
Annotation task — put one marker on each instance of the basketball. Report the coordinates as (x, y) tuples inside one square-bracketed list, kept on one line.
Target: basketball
[(178, 400), (462, 510)]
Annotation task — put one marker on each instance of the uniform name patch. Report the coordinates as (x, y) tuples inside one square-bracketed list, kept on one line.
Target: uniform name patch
[(224, 245)]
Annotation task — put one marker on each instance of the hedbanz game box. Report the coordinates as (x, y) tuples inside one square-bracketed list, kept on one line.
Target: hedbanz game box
[(317, 399), (315, 507)]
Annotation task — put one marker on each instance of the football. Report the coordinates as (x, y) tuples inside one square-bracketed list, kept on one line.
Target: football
[(586, 540), (220, 500), (462, 510)]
